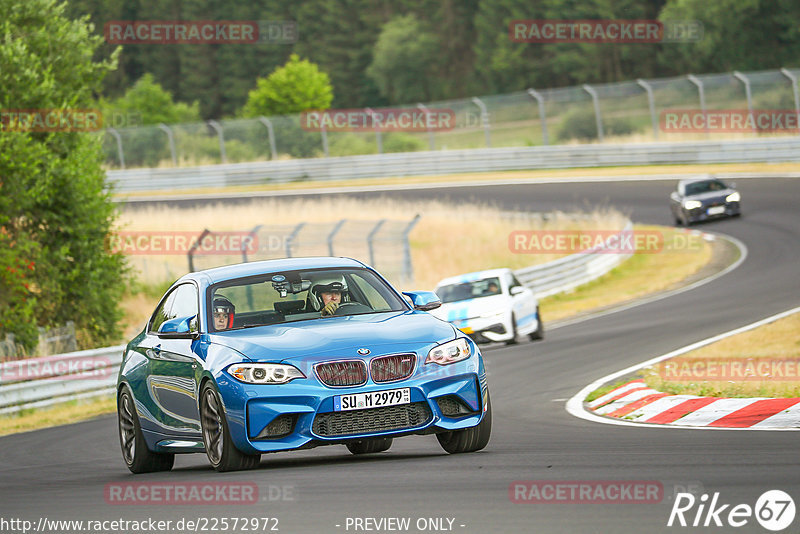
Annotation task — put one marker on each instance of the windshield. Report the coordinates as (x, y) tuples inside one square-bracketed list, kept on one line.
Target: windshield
[(706, 186), (290, 296), (485, 287)]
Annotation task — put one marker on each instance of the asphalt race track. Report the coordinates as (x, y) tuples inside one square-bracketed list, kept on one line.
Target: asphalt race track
[(61, 473)]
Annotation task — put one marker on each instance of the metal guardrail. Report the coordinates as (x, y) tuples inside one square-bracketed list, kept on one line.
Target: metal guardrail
[(42, 382), (457, 161), (571, 271)]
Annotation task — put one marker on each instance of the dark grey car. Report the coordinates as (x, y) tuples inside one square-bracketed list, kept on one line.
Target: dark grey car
[(701, 199)]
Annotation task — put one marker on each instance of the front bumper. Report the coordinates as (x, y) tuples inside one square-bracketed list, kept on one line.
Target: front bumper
[(486, 329), (707, 212), (300, 414)]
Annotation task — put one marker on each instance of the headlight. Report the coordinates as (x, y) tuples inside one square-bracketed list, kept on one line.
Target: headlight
[(451, 352), (733, 197), (264, 373), (692, 204)]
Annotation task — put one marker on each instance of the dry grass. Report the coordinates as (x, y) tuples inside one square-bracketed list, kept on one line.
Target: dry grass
[(677, 170), (774, 348), (643, 274), (63, 414)]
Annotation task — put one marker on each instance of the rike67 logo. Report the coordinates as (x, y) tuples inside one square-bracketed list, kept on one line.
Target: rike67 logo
[(774, 510)]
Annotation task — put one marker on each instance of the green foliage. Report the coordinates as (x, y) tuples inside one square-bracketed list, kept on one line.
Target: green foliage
[(580, 123), (296, 87), (148, 103), (405, 61), (403, 142), (55, 213)]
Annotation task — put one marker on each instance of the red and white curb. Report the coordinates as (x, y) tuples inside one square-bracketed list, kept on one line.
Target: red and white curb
[(635, 401), (634, 404)]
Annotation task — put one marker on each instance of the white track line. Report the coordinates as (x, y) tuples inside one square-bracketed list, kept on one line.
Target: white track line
[(575, 404)]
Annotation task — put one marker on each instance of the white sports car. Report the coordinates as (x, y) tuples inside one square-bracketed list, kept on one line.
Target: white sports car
[(490, 306)]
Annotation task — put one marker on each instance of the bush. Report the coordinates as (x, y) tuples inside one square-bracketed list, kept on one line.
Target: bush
[(581, 124), (403, 142)]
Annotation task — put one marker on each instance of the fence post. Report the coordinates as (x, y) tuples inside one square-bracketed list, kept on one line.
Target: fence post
[(695, 80), (408, 271), (171, 138), (251, 236), (268, 123), (542, 117), (195, 245), (324, 133), (742, 78), (597, 117), (291, 238), (651, 102), (378, 138), (484, 119), (336, 228), (370, 239), (120, 152), (793, 81), (222, 154), (424, 109)]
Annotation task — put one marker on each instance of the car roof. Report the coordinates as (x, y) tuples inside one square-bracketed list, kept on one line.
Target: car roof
[(241, 270), (471, 277)]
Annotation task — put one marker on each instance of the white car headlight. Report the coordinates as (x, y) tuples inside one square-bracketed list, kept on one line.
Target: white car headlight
[(264, 373), (692, 204), (733, 197), (450, 352)]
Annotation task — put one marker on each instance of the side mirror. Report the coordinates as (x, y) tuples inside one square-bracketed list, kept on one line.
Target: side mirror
[(423, 300), (675, 196), (516, 290), (178, 328)]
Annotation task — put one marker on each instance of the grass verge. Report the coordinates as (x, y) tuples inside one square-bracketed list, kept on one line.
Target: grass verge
[(63, 414), (763, 362)]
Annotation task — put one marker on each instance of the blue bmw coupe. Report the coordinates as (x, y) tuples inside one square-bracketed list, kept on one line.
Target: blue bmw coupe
[(292, 354)]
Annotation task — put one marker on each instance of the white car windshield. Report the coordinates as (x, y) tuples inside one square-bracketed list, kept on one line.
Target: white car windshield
[(485, 287)]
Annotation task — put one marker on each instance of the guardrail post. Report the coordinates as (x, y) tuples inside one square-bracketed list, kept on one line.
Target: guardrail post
[(748, 94), (425, 110), (597, 117), (273, 153), (378, 138), (542, 117), (222, 154), (370, 239), (484, 119), (292, 237), (700, 90), (120, 152), (408, 270), (651, 102), (171, 138), (336, 228), (793, 81)]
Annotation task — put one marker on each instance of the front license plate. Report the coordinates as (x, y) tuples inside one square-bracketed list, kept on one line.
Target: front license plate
[(373, 399), (716, 210)]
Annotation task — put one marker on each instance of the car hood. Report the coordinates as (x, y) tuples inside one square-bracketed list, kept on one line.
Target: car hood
[(710, 196), (338, 336), (466, 309)]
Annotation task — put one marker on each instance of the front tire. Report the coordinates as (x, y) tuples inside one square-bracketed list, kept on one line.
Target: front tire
[(137, 456), (513, 340), (539, 334), (469, 439), (369, 446), (222, 453)]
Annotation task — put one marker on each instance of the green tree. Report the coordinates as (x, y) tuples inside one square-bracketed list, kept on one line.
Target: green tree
[(149, 103), (56, 211), (295, 87), (405, 61)]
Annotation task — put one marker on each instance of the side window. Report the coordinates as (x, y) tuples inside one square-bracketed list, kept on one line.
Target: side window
[(162, 312), (185, 304)]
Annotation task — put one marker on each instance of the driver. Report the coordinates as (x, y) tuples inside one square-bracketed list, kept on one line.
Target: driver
[(327, 294), (223, 311)]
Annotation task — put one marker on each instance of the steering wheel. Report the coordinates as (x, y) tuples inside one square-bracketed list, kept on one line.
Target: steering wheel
[(352, 309)]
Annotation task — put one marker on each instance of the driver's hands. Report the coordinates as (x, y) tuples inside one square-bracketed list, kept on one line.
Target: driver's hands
[(329, 309)]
